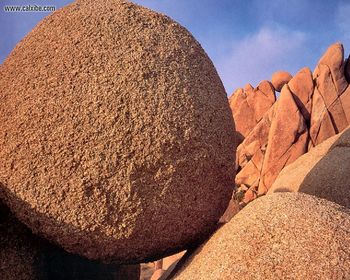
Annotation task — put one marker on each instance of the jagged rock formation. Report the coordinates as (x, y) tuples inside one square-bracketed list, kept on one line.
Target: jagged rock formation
[(287, 140), (323, 171), (311, 108), (279, 79), (280, 236), (115, 130), (249, 105), (331, 97), (250, 155)]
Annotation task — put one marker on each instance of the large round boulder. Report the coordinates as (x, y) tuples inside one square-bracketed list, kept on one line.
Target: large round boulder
[(25, 256), (116, 135), (282, 236)]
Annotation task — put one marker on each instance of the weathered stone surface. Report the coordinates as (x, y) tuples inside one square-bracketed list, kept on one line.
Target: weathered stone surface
[(249, 105), (281, 236), (243, 114), (333, 59), (302, 88), (169, 261), (322, 172), (287, 139), (279, 79), (329, 109), (261, 99), (26, 257), (232, 209), (256, 141), (250, 155), (120, 123)]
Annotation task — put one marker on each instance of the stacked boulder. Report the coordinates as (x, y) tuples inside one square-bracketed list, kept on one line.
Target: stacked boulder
[(311, 108), (116, 136)]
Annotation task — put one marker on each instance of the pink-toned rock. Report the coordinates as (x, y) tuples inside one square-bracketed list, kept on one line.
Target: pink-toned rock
[(287, 139), (158, 264), (255, 141), (322, 172), (250, 155), (168, 261), (333, 59), (157, 274), (232, 209), (243, 114), (261, 99), (279, 79), (250, 195), (330, 110), (249, 105), (302, 88)]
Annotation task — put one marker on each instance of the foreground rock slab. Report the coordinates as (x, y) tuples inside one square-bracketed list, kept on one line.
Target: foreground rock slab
[(118, 133), (282, 236)]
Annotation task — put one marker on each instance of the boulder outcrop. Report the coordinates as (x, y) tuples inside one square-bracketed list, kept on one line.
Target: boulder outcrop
[(280, 236), (113, 119)]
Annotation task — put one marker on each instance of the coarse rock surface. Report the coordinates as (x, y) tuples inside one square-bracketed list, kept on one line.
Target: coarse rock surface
[(279, 79), (280, 236), (249, 105), (24, 256), (323, 172), (331, 98), (119, 124)]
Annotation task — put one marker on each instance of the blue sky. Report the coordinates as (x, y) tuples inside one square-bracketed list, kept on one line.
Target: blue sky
[(247, 40)]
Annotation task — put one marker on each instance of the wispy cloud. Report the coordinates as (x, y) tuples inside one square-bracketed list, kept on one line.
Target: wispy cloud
[(258, 55)]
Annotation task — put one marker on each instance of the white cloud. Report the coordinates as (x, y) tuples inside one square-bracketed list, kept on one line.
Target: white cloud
[(258, 55)]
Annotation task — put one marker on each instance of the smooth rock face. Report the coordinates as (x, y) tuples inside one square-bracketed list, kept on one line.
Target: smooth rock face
[(279, 79), (302, 88), (26, 257), (322, 172), (249, 105), (287, 139), (282, 236), (330, 101), (119, 124)]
